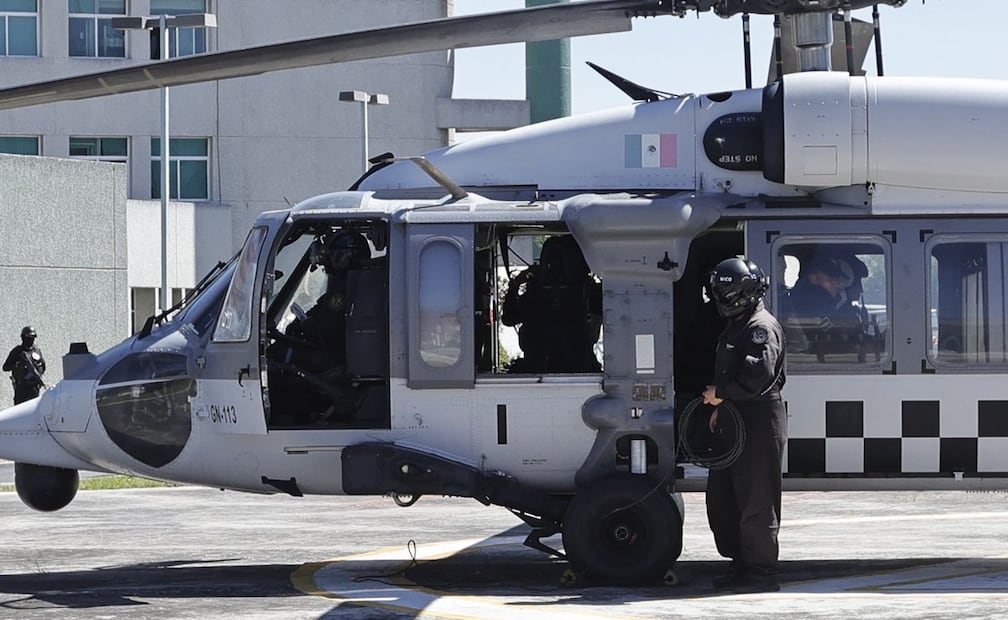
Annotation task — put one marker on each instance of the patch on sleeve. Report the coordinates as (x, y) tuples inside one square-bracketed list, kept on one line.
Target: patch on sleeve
[(760, 335)]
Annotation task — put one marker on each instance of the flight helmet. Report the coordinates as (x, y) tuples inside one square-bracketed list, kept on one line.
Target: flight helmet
[(736, 285), (339, 252)]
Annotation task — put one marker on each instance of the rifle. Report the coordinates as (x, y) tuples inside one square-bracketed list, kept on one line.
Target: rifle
[(32, 371)]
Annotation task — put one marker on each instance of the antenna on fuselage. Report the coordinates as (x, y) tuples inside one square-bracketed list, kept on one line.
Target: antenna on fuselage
[(633, 90)]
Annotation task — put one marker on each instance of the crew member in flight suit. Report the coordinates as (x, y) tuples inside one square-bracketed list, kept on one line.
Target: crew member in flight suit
[(26, 365), (744, 499)]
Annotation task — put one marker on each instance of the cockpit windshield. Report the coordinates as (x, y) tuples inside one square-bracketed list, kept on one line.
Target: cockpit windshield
[(235, 321), (202, 311)]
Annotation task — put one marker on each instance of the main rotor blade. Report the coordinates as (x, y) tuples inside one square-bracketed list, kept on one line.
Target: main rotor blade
[(534, 24)]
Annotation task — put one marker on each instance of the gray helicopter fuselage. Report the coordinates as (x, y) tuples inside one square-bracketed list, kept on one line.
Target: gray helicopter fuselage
[(902, 175)]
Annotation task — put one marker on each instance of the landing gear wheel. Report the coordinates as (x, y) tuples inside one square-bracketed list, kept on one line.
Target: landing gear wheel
[(622, 530)]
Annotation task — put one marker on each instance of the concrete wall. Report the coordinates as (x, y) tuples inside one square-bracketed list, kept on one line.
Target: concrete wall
[(199, 235), (62, 256)]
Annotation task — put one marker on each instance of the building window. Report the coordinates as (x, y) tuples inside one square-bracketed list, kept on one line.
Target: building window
[(178, 294), (833, 299), (143, 304), (188, 168), (100, 149), (19, 145), (90, 29), (182, 41), (18, 28), (968, 313)]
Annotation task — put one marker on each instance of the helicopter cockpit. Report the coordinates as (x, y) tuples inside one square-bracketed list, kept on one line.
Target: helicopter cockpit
[(325, 326)]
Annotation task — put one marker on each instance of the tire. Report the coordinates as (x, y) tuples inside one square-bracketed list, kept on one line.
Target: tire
[(622, 530)]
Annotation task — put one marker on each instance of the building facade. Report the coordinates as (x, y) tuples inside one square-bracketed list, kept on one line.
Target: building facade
[(238, 147), (62, 256)]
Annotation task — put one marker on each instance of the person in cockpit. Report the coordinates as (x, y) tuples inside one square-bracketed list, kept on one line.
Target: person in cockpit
[(324, 324)]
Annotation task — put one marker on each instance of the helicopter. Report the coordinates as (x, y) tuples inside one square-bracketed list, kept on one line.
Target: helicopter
[(358, 341)]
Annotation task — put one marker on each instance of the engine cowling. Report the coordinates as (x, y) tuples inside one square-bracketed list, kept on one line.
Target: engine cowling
[(45, 488)]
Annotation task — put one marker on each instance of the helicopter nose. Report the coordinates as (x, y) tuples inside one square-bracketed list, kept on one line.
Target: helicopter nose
[(25, 438)]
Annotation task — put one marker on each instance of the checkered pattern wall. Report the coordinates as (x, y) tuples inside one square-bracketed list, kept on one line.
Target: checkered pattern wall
[(920, 447)]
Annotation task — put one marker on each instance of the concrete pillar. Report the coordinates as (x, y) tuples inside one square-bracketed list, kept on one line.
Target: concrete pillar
[(548, 75)]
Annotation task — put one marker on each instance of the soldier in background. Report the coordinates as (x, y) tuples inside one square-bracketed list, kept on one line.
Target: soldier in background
[(26, 365)]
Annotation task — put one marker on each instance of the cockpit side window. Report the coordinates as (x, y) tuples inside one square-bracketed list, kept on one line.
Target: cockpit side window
[(235, 321), (326, 326)]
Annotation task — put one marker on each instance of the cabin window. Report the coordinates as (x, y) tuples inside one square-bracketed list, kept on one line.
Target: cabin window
[(235, 322), (440, 304), (831, 297), (538, 306), (967, 301)]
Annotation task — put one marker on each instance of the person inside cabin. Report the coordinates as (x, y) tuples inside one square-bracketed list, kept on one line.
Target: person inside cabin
[(821, 305), (821, 292), (557, 305)]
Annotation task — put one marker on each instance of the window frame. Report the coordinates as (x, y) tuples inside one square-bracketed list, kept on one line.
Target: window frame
[(175, 168), (931, 352), (462, 373), (887, 355), (95, 20), (119, 159), (38, 145), (5, 18), (177, 34), (433, 284), (241, 294)]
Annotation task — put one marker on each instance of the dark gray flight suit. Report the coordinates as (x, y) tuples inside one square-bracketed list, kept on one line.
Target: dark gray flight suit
[(27, 380), (744, 500)]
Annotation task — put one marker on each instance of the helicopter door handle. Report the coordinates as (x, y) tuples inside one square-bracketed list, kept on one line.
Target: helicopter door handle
[(244, 372)]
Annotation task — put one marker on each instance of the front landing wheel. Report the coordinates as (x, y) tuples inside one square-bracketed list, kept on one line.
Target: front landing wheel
[(622, 529)]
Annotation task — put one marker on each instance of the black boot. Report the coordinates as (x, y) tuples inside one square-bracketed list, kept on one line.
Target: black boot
[(734, 577), (756, 581)]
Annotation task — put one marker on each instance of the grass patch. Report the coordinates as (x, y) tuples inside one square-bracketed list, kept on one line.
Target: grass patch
[(106, 483)]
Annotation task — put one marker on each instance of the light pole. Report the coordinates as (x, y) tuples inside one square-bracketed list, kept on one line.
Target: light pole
[(365, 99), (162, 23)]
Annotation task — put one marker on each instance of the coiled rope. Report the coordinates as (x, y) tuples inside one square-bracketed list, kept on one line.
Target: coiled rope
[(713, 450)]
